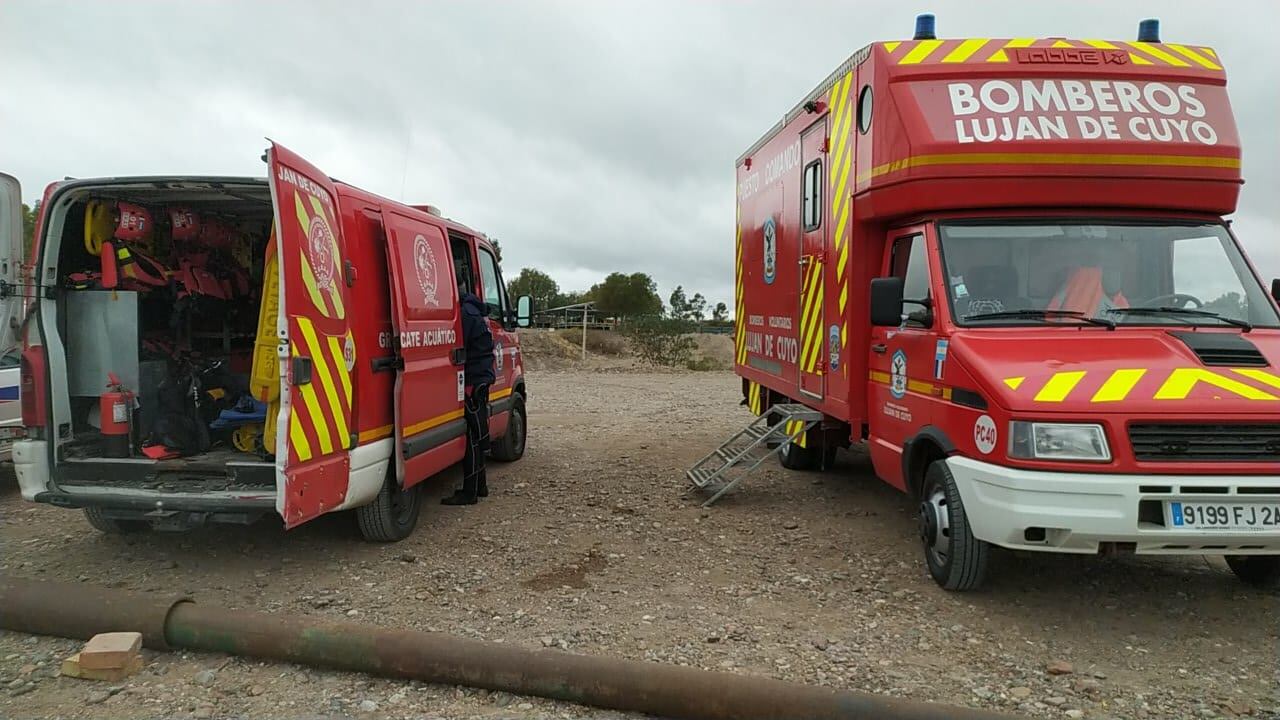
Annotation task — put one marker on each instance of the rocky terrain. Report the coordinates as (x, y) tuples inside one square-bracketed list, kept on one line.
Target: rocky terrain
[(592, 544)]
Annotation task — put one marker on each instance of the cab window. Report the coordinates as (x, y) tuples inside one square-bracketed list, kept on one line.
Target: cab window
[(491, 281), (910, 261)]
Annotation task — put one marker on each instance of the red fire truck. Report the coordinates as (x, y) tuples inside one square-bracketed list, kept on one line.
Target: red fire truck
[(288, 344), (1003, 265)]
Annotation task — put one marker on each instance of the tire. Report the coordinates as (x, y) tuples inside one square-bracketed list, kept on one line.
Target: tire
[(956, 559), (1260, 571), (794, 457), (392, 515), (510, 447), (112, 526)]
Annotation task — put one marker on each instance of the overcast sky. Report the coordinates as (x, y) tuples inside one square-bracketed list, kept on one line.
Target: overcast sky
[(588, 136)]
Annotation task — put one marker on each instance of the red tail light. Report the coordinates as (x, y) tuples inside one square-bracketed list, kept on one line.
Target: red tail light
[(33, 375)]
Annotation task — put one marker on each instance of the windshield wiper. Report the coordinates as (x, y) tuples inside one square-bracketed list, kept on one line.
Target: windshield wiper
[(1044, 315), (1245, 325)]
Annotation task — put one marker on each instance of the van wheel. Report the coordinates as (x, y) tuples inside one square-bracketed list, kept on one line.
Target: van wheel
[(112, 526), (956, 559), (510, 447), (1260, 571), (392, 515)]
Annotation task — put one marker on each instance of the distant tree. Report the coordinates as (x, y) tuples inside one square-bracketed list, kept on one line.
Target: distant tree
[(1231, 304), (572, 298), (679, 303), (29, 215), (697, 307), (538, 285), (497, 249), (720, 313), (627, 296)]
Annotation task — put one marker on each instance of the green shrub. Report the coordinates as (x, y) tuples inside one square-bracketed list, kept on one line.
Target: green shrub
[(661, 341)]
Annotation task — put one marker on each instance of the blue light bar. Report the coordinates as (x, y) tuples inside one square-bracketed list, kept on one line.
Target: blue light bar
[(925, 27), (1149, 30)]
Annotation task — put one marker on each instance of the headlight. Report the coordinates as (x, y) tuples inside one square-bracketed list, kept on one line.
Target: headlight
[(1058, 441)]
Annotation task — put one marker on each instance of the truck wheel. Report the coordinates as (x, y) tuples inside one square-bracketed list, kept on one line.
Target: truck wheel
[(510, 447), (794, 457), (112, 526), (957, 560), (392, 515), (1261, 571)]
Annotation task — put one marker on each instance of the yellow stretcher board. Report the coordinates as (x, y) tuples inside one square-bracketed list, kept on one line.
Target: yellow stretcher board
[(264, 377)]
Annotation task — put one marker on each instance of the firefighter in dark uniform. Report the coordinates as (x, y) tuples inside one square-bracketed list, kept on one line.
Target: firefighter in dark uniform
[(478, 376)]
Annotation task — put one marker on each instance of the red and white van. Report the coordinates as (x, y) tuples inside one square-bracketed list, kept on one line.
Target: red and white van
[(1003, 264), (289, 344)]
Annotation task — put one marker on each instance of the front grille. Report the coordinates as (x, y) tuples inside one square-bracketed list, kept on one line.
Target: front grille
[(1201, 442)]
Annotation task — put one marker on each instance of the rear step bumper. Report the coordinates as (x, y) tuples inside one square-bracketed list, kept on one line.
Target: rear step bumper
[(72, 496)]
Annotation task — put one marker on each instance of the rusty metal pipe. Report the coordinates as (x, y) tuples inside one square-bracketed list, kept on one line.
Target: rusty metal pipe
[(70, 610)]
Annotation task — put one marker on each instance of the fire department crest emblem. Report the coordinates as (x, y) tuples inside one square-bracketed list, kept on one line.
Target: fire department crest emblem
[(497, 353), (898, 373), (424, 265), (770, 250), (320, 248)]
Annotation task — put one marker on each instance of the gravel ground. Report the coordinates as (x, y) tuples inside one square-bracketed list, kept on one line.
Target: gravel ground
[(591, 544)]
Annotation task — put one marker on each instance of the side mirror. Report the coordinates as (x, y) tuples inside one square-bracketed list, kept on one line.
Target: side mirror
[(524, 311), (1275, 289), (886, 302)]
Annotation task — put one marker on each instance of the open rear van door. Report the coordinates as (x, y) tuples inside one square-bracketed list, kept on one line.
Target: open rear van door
[(314, 426), (12, 242), (426, 316)]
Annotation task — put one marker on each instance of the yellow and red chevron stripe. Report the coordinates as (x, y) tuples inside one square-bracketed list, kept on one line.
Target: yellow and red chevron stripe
[(841, 165), (1176, 384), (739, 315), (755, 398), (321, 414), (986, 50), (811, 298)]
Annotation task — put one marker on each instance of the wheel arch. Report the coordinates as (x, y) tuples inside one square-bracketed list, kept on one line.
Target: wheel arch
[(927, 446)]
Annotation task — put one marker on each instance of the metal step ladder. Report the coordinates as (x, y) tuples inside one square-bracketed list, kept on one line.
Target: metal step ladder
[(728, 464)]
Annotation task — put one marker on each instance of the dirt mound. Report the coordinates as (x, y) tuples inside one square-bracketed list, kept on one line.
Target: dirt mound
[(548, 350), (715, 351), (609, 350)]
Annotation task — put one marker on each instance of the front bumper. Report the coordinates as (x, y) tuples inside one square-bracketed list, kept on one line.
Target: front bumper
[(1081, 511)]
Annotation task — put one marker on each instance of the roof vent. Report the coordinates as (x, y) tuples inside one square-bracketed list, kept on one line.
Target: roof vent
[(1222, 349), (925, 27), (1149, 30)]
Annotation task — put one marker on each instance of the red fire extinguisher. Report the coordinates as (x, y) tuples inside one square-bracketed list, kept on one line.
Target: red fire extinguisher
[(116, 413)]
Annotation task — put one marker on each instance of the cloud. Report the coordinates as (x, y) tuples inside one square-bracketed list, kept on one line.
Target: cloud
[(588, 136)]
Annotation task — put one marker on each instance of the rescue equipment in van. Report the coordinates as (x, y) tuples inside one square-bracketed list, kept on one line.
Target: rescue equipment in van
[(115, 409), (264, 374)]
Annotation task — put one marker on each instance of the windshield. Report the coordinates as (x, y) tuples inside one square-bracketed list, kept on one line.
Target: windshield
[(1129, 274)]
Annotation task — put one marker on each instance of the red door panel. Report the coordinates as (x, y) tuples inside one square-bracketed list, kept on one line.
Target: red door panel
[(314, 424), (430, 431), (901, 379)]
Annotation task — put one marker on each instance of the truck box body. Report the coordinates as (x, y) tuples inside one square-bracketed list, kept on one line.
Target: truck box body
[(1066, 186), (357, 356)]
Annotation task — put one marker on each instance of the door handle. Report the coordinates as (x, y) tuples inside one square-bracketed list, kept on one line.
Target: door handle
[(459, 356), (879, 348), (301, 371)]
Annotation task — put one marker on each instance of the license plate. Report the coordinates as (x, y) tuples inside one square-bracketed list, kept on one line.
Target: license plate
[(1258, 517)]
